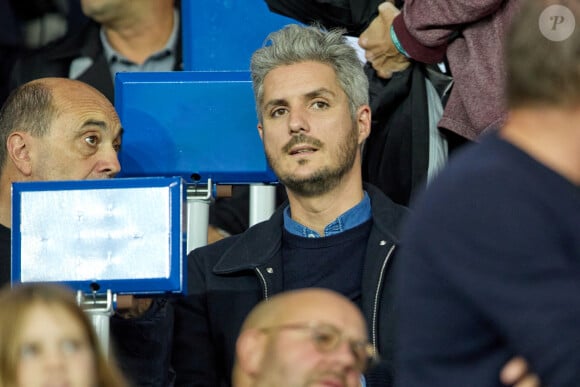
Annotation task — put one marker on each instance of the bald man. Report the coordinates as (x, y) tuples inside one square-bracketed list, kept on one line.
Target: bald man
[(303, 337), (316, 336), (63, 129), (53, 129)]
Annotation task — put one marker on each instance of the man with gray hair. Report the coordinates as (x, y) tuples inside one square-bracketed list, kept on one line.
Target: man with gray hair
[(490, 257), (334, 232)]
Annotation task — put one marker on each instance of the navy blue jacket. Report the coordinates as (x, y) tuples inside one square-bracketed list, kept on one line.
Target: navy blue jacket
[(228, 278), (490, 269)]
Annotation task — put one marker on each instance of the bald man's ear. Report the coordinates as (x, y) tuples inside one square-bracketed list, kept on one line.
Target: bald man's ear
[(250, 351), (18, 148)]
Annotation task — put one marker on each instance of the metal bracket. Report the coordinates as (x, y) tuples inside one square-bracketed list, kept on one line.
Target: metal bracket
[(99, 307), (198, 201)]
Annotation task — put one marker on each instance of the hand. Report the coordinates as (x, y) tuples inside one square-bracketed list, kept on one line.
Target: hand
[(379, 48), (215, 234), (517, 374), (132, 307)]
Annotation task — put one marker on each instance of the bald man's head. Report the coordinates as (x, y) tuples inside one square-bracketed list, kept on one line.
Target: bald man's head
[(56, 129), (300, 337), (33, 106)]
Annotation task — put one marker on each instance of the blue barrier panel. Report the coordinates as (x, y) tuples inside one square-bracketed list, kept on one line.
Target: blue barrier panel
[(123, 235), (197, 125), (223, 34)]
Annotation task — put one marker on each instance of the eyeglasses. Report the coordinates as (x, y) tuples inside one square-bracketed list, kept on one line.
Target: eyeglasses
[(327, 338)]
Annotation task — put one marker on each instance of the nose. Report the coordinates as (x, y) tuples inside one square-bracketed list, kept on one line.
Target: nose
[(345, 356), (54, 361), (298, 122), (109, 163)]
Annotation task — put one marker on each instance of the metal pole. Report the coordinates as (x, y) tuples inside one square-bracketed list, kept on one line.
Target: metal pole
[(99, 308), (198, 201), (262, 202)]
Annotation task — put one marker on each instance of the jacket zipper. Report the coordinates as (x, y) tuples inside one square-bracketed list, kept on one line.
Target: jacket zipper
[(265, 285), (376, 304), (376, 301)]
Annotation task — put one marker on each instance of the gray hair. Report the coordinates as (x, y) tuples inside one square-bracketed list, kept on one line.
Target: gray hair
[(29, 108), (542, 71), (294, 44)]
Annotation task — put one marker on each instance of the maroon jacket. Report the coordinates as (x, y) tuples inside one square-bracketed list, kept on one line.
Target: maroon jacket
[(471, 34)]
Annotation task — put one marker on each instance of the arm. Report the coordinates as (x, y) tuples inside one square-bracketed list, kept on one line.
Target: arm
[(535, 293), (521, 261), (425, 27), (142, 343), (380, 50), (389, 44)]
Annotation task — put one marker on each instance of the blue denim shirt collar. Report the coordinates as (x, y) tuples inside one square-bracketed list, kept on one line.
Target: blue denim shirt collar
[(350, 219)]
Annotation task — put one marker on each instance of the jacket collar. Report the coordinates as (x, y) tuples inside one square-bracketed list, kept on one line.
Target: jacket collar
[(254, 247), (387, 215), (259, 246)]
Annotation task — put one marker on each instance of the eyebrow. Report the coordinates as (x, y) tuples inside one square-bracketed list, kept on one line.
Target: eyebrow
[(320, 92), (323, 91), (101, 124)]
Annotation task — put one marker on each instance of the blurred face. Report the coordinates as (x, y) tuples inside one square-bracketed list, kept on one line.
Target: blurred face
[(82, 142), (310, 137), (103, 11), (300, 352), (54, 350)]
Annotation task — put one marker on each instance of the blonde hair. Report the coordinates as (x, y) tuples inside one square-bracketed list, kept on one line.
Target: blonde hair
[(15, 304)]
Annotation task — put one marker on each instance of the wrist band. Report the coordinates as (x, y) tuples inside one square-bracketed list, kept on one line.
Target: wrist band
[(396, 42)]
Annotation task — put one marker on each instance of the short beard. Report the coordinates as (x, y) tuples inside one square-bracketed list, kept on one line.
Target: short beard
[(327, 178)]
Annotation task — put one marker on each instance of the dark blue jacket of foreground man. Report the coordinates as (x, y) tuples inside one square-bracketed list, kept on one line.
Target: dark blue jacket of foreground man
[(490, 269), (228, 278)]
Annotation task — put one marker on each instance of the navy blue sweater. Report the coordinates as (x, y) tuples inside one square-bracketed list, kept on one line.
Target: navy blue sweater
[(490, 268)]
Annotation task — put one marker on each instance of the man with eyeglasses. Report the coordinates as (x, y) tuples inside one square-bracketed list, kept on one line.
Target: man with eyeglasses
[(303, 337)]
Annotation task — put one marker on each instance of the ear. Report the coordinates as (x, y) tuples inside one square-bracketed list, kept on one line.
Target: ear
[(261, 131), (363, 115), (18, 149), (250, 350)]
